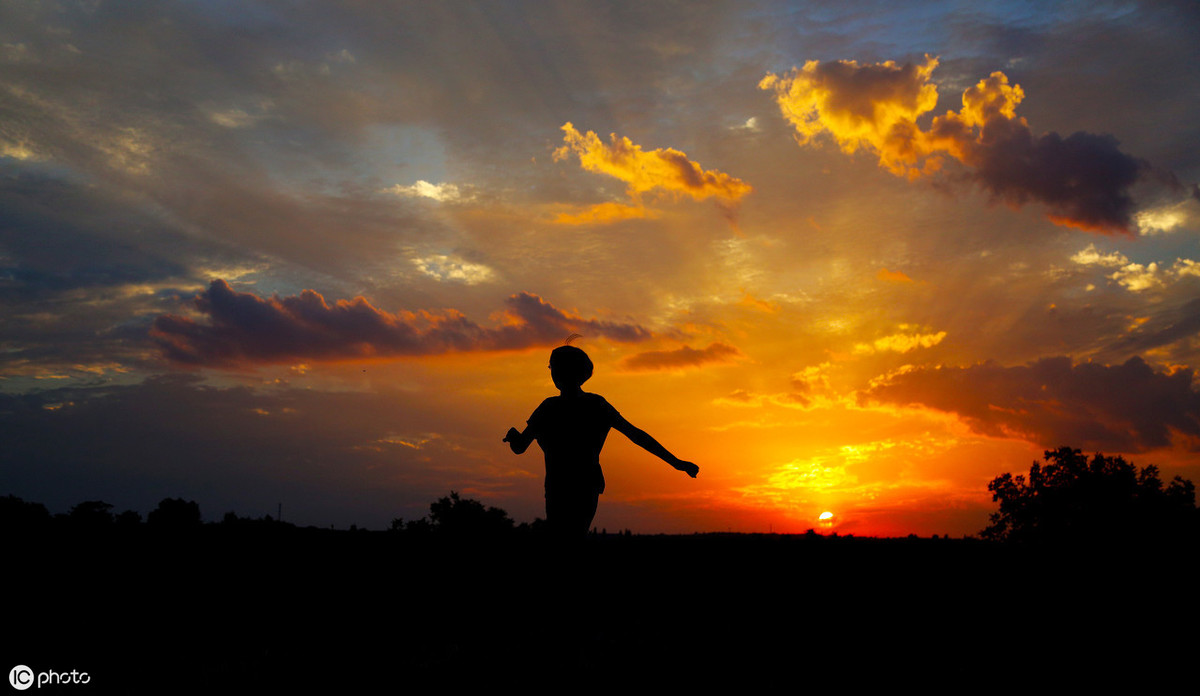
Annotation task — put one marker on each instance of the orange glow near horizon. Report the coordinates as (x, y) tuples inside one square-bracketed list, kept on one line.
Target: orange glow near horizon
[(782, 434), (765, 463)]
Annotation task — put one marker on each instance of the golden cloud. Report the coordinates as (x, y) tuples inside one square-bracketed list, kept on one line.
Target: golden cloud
[(644, 171), (1136, 276), (860, 106), (1083, 179), (893, 276), (900, 342), (606, 212), (751, 302), (1091, 256)]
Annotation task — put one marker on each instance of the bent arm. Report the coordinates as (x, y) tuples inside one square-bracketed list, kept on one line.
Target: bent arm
[(642, 439), (519, 441)]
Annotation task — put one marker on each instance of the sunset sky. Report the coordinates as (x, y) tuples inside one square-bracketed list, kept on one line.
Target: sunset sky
[(847, 257)]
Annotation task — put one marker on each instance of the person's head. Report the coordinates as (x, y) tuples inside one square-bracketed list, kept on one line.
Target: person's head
[(570, 367)]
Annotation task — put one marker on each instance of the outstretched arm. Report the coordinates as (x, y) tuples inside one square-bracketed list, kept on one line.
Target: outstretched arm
[(642, 439), (519, 441)]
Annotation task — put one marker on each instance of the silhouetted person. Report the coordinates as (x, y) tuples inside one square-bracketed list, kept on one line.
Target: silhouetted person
[(571, 429)]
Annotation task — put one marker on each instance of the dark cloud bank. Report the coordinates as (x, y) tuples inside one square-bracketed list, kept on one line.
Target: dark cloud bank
[(683, 357), (246, 328), (1123, 408)]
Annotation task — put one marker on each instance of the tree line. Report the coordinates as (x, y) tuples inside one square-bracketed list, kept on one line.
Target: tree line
[(1069, 497), (1103, 498)]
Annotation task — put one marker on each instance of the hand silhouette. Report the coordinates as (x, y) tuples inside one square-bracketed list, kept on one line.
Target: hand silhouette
[(512, 434), (687, 467)]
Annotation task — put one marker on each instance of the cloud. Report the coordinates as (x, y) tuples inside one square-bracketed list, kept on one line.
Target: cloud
[(1175, 325), (682, 358), (1051, 402), (83, 273), (244, 328), (444, 267), (238, 118), (1168, 218), (662, 169), (900, 342), (893, 276), (813, 377), (750, 125), (60, 235), (1136, 277), (751, 302), (1186, 267), (442, 193), (873, 107), (602, 213), (743, 398), (1084, 180), (1091, 256), (18, 150), (811, 389)]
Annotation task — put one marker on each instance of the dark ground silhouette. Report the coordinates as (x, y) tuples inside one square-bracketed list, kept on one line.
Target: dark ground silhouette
[(1061, 594), (262, 606)]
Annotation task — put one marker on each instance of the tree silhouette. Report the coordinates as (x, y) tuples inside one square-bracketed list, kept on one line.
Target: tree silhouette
[(91, 514), (175, 513), (129, 518), (464, 516), (1104, 499), (18, 515)]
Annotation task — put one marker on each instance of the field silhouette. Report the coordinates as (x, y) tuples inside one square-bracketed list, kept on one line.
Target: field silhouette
[(466, 596)]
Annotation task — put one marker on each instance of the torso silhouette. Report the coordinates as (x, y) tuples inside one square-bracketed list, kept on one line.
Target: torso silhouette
[(571, 431)]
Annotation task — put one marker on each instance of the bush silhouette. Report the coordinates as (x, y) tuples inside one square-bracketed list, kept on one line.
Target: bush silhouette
[(1107, 498)]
